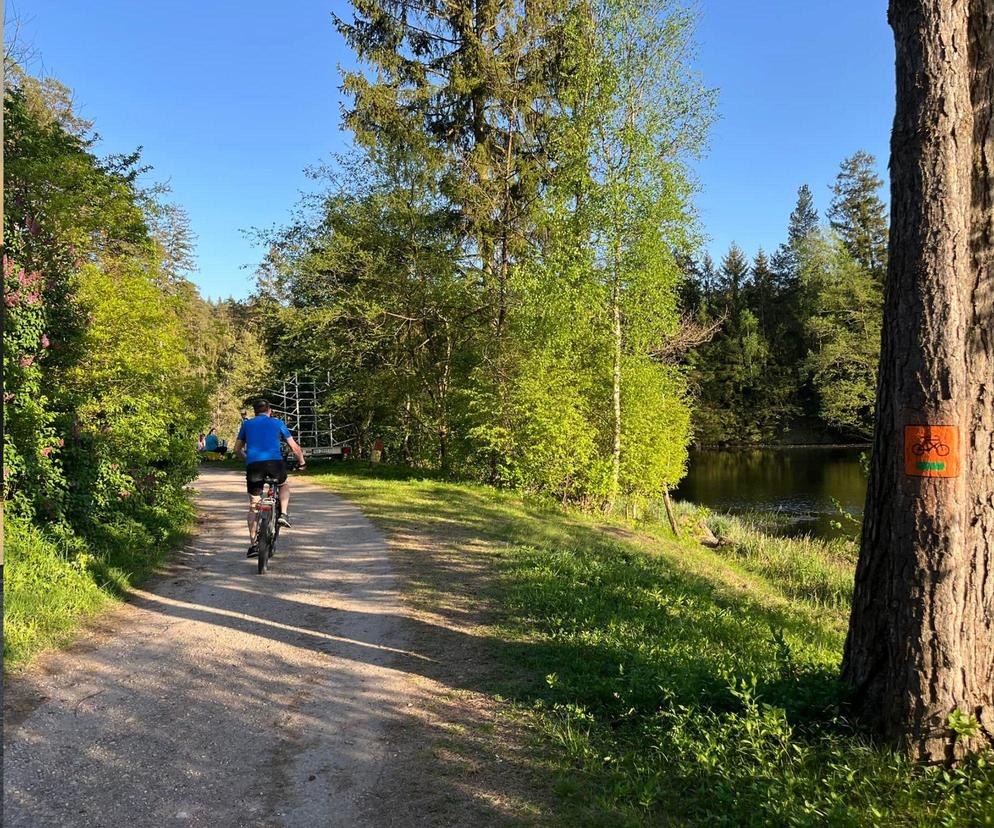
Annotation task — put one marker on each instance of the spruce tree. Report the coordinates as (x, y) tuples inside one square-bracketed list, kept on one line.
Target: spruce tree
[(803, 222), (762, 294), (858, 214), (468, 86), (734, 272), (709, 278), (804, 217)]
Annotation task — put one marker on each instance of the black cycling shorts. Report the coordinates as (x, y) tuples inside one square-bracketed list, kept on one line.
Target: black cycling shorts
[(256, 474)]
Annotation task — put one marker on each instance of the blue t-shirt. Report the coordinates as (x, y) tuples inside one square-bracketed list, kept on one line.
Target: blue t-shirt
[(262, 436), (210, 444)]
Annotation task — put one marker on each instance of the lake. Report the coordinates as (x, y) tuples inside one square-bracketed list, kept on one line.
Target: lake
[(798, 482)]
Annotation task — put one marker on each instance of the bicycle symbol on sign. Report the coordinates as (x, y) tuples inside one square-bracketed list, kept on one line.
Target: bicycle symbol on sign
[(929, 445)]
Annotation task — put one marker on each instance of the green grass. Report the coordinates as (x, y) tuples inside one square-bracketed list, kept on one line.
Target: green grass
[(55, 580), (667, 683)]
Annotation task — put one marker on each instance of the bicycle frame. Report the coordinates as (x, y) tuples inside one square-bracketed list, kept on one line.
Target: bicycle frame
[(267, 522)]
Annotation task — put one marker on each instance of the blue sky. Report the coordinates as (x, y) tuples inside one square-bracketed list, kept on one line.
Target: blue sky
[(232, 100)]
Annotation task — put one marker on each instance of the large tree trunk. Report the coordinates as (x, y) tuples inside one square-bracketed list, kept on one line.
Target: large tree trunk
[(921, 635)]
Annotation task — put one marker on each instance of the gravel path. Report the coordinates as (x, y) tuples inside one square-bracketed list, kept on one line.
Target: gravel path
[(220, 697)]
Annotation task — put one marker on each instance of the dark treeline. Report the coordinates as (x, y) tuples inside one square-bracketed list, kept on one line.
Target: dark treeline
[(795, 357)]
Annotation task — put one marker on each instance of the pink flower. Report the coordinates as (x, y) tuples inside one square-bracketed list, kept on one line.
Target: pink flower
[(47, 451), (8, 396), (12, 299), (26, 361), (29, 280), (44, 341), (114, 466), (32, 298), (61, 442), (124, 493)]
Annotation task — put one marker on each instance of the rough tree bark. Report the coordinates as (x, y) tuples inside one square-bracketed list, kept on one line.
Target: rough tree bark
[(921, 635)]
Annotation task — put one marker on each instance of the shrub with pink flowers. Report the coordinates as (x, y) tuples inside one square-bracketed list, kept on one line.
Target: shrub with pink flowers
[(102, 401)]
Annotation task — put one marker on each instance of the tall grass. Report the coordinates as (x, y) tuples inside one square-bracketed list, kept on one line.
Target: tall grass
[(54, 579)]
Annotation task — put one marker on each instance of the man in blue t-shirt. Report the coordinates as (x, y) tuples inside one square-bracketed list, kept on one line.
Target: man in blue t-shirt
[(259, 439)]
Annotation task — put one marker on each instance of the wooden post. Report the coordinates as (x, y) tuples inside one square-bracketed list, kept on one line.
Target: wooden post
[(669, 511)]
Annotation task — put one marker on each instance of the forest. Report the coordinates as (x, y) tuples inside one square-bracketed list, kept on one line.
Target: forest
[(794, 359), (505, 281)]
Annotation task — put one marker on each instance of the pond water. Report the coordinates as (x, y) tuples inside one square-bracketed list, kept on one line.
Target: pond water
[(799, 483)]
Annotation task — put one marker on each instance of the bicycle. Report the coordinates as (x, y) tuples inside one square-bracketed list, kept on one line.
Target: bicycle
[(268, 523), (933, 444)]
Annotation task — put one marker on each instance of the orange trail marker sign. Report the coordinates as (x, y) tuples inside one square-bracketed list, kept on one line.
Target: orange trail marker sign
[(931, 451)]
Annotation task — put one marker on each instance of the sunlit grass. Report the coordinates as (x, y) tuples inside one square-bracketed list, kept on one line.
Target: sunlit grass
[(673, 684)]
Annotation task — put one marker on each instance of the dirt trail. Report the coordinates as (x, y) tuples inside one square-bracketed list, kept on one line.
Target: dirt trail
[(220, 697)]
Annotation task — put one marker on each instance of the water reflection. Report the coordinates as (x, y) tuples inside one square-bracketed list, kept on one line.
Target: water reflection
[(800, 482)]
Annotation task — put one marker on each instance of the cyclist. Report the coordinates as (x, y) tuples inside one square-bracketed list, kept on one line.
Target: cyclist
[(259, 441)]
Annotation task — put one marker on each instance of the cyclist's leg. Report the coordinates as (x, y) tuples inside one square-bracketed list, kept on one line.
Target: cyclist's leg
[(279, 472), (253, 512)]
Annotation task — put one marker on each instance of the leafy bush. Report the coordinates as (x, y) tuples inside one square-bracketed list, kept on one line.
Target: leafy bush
[(102, 399)]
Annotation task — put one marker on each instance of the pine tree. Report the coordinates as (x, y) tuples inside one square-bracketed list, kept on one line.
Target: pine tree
[(919, 656), (858, 214)]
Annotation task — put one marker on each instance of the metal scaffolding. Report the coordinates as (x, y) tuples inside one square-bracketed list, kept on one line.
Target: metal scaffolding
[(297, 401)]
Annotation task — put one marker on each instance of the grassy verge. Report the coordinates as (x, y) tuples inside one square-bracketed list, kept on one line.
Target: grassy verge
[(667, 683), (54, 579)]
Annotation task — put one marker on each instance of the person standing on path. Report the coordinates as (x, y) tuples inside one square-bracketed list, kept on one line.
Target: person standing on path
[(259, 442)]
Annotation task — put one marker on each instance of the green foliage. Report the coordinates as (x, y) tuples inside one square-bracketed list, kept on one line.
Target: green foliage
[(102, 400), (742, 396), (137, 406), (550, 445), (859, 216), (843, 333), (47, 588), (655, 427), (499, 263), (55, 577), (224, 347)]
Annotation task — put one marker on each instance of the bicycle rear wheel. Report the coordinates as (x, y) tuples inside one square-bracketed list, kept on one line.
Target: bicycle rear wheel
[(265, 540)]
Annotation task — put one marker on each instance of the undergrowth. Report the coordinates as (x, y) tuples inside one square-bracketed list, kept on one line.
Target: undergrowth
[(55, 577)]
